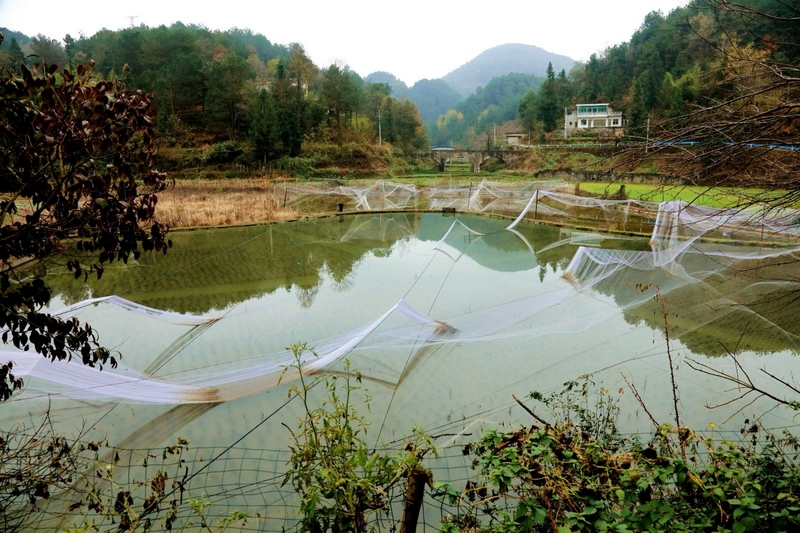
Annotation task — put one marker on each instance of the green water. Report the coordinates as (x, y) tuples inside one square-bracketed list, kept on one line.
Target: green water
[(521, 326)]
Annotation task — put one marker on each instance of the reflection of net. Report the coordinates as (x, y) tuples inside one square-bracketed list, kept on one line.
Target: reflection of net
[(690, 246)]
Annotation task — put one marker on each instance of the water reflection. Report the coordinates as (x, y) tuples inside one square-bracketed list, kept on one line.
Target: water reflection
[(502, 320), (215, 270)]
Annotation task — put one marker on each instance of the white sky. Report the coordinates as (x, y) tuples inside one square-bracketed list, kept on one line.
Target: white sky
[(412, 39)]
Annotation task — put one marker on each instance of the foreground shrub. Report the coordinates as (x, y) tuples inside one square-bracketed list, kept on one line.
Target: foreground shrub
[(578, 473)]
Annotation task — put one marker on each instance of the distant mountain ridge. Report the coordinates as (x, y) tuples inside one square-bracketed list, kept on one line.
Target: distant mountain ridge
[(435, 97), (432, 97), (399, 88), (504, 59)]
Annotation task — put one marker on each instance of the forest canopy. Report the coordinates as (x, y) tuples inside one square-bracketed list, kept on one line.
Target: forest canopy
[(208, 85), (232, 85)]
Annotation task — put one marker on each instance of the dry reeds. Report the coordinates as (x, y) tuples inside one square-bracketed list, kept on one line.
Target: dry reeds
[(221, 203)]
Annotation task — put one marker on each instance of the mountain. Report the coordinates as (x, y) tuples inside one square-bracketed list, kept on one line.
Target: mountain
[(21, 38), (399, 88), (504, 59), (433, 98)]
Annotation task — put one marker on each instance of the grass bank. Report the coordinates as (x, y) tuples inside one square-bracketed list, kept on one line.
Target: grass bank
[(719, 197)]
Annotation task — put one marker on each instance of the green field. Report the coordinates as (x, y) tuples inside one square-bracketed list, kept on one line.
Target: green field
[(721, 197)]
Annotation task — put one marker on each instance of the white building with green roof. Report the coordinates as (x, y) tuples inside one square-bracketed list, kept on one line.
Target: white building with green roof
[(592, 116)]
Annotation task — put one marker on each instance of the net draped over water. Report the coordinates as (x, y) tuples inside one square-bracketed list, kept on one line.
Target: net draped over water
[(445, 317)]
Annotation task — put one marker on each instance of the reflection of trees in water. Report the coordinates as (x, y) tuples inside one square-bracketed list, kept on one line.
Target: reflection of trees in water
[(749, 306), (214, 269), (306, 295), (382, 251), (344, 284), (339, 263)]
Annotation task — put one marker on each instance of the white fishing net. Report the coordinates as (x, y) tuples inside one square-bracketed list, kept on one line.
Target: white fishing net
[(219, 384), (691, 247)]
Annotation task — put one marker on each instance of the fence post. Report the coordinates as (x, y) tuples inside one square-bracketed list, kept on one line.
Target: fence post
[(415, 491)]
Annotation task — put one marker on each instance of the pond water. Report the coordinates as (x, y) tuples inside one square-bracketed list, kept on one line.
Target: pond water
[(487, 313)]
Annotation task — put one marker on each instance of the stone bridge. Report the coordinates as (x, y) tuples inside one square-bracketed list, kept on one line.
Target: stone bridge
[(476, 157)]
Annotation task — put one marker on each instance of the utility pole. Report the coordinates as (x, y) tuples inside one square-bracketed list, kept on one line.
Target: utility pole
[(133, 18), (647, 137), (495, 137), (380, 137)]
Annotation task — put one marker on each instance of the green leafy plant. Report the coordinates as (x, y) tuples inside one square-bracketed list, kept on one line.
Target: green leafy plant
[(224, 152), (72, 484), (199, 507), (576, 472), (339, 479)]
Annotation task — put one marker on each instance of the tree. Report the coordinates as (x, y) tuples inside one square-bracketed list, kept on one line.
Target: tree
[(226, 83), (744, 126), (299, 68), (290, 108), (76, 162), (405, 127), (376, 102), (265, 132), (15, 56), (69, 49), (172, 67), (47, 51), (549, 105), (341, 95), (528, 111), (589, 85)]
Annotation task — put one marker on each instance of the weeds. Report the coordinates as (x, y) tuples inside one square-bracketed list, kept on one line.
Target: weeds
[(222, 203), (577, 472), (50, 482), (341, 482)]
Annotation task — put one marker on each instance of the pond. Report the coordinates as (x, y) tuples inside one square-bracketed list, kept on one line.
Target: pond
[(445, 316)]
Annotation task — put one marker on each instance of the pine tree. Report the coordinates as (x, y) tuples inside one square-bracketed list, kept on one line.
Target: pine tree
[(15, 55)]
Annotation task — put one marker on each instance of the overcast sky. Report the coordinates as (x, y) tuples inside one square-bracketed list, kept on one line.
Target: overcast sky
[(412, 39)]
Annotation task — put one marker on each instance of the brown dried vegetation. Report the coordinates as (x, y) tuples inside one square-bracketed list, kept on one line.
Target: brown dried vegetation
[(222, 203)]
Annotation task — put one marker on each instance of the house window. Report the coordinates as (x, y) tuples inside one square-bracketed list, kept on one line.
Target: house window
[(583, 122), (616, 122)]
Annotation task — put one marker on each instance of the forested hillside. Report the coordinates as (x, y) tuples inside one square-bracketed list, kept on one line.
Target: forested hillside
[(215, 87), (675, 64), (492, 105), (433, 98)]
